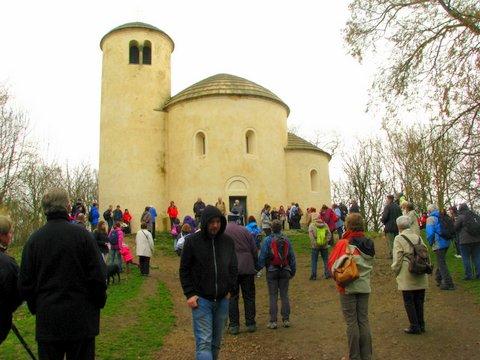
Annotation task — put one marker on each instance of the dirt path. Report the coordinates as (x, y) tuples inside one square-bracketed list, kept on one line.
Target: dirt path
[(318, 330)]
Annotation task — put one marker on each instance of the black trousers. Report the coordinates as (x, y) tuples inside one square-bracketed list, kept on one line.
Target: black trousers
[(413, 301), (144, 265), (153, 230), (247, 284), (83, 349)]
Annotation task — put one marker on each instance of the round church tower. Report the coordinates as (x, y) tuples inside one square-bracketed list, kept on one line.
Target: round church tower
[(135, 82)]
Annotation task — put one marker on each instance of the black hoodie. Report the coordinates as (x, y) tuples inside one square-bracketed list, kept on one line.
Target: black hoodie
[(208, 267)]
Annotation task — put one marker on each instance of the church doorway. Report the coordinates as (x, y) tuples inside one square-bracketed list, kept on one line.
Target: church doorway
[(234, 214)]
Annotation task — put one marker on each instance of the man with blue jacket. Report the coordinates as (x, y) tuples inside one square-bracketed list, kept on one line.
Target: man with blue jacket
[(440, 247)]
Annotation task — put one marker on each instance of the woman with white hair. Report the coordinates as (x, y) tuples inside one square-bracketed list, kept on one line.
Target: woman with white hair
[(409, 210), (411, 285)]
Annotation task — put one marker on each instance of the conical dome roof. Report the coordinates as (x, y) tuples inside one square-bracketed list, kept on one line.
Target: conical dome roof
[(224, 84), (297, 143), (137, 25)]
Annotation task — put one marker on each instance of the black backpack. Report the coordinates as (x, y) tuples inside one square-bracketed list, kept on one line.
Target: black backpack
[(418, 262), (472, 223), (447, 228), (113, 238)]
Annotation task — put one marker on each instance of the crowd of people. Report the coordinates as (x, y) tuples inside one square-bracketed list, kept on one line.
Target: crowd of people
[(221, 254)]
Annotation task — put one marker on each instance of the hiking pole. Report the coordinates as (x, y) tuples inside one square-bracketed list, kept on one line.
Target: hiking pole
[(24, 343)]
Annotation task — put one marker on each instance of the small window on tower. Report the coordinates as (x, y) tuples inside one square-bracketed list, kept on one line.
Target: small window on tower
[(134, 53), (250, 141), (147, 52), (314, 180), (200, 147)]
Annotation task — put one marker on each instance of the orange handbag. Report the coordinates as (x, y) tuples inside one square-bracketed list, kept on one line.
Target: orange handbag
[(347, 272)]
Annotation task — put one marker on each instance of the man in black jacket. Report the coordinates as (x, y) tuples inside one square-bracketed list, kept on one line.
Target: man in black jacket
[(9, 298), (198, 209), (63, 279), (208, 272), (391, 212)]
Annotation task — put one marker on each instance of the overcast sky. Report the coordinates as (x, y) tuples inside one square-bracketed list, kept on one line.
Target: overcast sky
[(51, 61)]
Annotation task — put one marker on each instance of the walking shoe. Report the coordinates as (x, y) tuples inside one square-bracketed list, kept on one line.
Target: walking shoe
[(447, 287), (259, 274), (233, 330), (286, 323), (272, 325), (313, 277), (252, 328), (458, 256), (412, 331)]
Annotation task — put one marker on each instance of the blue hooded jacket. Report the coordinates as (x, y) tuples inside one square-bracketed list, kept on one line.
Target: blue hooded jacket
[(433, 232)]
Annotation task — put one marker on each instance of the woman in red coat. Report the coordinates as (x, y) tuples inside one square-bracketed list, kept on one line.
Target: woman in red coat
[(172, 212)]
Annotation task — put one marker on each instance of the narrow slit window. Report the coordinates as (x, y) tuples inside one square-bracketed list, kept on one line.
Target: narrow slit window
[(200, 147), (134, 53), (147, 53), (250, 141), (314, 180)]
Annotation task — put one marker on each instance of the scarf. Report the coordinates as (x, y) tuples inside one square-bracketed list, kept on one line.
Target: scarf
[(348, 235)]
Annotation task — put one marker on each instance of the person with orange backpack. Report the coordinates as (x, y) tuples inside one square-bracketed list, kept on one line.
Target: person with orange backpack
[(278, 257)]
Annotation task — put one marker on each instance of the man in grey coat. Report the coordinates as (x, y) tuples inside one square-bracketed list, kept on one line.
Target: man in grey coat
[(469, 241), (247, 258)]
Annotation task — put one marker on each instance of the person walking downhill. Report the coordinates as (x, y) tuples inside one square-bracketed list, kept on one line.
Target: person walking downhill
[(467, 225), (411, 285), (63, 279), (247, 258), (10, 299), (145, 248), (354, 295), (319, 235), (282, 215), (198, 209), (278, 257), (440, 246), (208, 272)]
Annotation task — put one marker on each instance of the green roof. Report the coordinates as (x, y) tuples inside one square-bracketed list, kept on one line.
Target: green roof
[(140, 25), (297, 143), (224, 84)]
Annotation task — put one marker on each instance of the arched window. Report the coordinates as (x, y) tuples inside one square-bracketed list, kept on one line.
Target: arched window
[(314, 180), (250, 141), (134, 53), (147, 53), (200, 144)]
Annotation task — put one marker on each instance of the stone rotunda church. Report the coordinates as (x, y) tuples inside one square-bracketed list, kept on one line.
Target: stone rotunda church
[(223, 136)]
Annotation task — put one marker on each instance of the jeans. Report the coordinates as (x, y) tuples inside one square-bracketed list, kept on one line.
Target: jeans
[(442, 275), (314, 261), (355, 312), (209, 320), (339, 232), (413, 301), (115, 254), (247, 284), (471, 253), (277, 281)]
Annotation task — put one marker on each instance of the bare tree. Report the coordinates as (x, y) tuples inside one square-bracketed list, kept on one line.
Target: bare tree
[(81, 182), (433, 61), (365, 180), (13, 144)]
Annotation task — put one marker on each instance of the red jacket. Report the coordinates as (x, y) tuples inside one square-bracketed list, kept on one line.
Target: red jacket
[(330, 218), (127, 217), (172, 212)]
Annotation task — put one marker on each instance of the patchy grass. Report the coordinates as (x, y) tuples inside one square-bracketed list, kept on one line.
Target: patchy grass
[(143, 335), (136, 333), (164, 244)]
